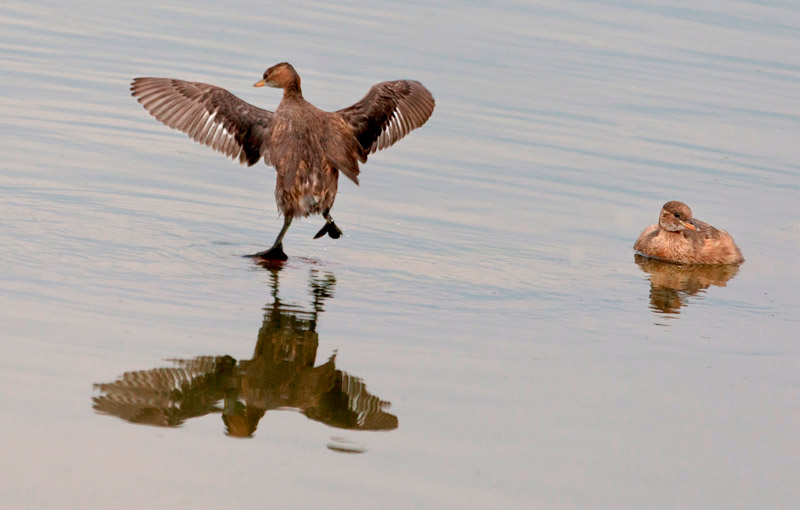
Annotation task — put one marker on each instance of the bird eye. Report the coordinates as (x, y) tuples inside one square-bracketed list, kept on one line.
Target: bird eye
[(677, 215)]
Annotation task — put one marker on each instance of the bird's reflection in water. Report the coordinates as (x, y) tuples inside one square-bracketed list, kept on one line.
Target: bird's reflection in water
[(671, 284), (281, 375)]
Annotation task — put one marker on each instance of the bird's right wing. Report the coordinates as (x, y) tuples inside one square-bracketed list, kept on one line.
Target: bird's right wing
[(210, 115)]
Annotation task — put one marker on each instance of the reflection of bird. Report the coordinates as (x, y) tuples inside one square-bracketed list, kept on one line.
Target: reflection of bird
[(280, 375), (308, 147), (671, 284), (167, 396), (680, 238)]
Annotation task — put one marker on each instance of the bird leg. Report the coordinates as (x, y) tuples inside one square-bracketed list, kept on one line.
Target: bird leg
[(329, 228), (276, 252)]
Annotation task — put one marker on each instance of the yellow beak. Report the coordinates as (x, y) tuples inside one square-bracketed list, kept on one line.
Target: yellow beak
[(260, 83)]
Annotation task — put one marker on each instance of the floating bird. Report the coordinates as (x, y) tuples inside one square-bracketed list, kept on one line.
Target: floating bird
[(680, 238), (307, 146)]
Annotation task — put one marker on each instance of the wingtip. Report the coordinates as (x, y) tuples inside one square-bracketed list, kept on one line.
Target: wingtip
[(134, 85)]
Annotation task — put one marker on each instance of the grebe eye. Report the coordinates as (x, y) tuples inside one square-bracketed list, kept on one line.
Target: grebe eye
[(677, 215)]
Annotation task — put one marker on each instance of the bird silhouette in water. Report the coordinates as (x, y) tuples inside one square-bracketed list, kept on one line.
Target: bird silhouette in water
[(281, 375), (307, 146), (671, 285)]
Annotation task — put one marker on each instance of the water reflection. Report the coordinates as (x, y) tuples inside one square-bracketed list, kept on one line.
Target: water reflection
[(281, 375), (672, 284)]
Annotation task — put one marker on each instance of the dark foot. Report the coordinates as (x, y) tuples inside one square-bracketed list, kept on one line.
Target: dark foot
[(331, 229), (274, 253)]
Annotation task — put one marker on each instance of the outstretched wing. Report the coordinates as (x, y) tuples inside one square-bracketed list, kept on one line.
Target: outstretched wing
[(388, 112), (167, 396), (210, 115)]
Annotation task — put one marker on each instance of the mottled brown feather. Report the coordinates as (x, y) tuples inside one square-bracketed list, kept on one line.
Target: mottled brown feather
[(307, 146), (671, 242)]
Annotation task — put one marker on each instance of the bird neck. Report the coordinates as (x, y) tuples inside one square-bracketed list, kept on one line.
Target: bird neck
[(292, 88)]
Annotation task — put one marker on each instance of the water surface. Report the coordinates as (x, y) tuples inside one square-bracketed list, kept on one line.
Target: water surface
[(484, 304)]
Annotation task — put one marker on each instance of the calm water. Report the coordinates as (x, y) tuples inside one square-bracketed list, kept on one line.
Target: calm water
[(482, 336)]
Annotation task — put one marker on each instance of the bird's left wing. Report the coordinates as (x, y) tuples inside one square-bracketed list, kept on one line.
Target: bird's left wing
[(388, 112)]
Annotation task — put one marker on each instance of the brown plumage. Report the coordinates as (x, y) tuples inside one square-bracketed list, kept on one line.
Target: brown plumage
[(680, 238), (307, 146)]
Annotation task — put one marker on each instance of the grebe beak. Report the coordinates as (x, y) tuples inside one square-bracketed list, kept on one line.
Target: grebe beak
[(689, 224), (260, 83)]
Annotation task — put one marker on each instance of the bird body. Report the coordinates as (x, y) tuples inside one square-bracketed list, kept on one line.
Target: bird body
[(307, 146), (678, 237)]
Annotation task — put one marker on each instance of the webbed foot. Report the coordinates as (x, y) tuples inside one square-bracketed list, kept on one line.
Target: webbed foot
[(331, 229), (274, 253)]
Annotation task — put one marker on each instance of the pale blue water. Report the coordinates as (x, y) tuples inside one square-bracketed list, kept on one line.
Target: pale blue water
[(486, 285)]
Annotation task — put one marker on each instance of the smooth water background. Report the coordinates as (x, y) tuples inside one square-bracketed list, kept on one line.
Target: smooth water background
[(486, 285)]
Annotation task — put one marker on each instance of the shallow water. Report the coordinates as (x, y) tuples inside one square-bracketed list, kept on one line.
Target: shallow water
[(482, 334)]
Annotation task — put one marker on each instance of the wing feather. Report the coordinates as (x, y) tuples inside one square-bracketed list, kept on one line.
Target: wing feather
[(388, 112), (209, 115)]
